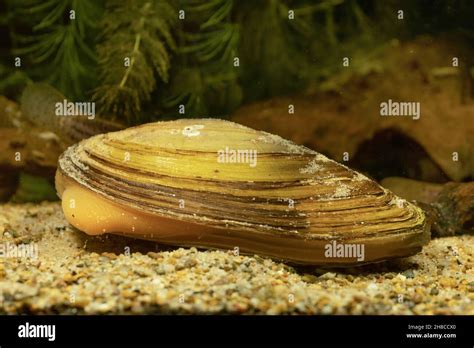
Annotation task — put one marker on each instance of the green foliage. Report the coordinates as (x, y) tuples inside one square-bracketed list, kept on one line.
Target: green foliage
[(273, 53), (192, 61), (34, 189), (205, 78), (58, 45), (12, 80), (349, 32), (136, 45)]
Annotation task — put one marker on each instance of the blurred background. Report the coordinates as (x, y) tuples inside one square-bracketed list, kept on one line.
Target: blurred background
[(311, 71)]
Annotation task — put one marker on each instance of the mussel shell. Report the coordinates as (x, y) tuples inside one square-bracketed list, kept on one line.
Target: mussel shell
[(288, 204)]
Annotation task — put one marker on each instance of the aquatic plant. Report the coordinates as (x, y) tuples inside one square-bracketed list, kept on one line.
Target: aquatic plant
[(136, 47), (143, 60), (54, 41)]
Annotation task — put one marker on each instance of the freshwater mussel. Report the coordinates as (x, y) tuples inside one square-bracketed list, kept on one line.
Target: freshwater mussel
[(216, 184)]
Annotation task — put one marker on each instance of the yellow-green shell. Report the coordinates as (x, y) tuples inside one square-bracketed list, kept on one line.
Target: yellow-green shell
[(293, 198)]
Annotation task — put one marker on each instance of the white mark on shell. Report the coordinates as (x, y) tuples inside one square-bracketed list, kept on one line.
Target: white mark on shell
[(342, 191), (360, 177), (288, 146), (312, 167), (399, 202), (192, 131)]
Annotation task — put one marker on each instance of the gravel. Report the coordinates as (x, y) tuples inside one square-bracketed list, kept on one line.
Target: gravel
[(78, 274)]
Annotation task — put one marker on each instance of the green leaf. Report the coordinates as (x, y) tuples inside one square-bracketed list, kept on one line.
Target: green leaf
[(139, 32)]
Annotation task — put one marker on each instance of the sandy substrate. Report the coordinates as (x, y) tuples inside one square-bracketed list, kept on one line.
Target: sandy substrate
[(75, 273)]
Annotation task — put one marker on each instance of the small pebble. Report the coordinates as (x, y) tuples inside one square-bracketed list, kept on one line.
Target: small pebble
[(409, 274)]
